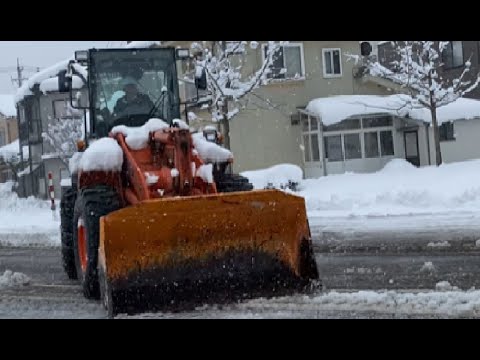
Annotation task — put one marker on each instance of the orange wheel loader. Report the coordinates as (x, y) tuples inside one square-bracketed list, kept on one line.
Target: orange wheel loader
[(152, 232)]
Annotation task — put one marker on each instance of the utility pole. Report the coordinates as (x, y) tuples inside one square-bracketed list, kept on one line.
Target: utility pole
[(19, 79)]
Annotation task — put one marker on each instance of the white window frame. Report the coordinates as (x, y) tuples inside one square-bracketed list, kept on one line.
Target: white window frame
[(325, 75), (302, 61)]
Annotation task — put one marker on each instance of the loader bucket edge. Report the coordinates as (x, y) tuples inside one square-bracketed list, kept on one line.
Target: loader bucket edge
[(253, 236)]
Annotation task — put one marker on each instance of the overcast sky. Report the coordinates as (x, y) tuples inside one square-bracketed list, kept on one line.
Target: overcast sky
[(41, 54)]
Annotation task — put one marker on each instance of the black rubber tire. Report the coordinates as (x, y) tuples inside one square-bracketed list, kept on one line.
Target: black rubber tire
[(67, 205), (92, 203), (231, 183)]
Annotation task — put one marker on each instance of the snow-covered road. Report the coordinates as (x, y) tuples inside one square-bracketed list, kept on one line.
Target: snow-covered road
[(357, 285)]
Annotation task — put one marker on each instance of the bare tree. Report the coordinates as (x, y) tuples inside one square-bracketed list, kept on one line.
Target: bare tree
[(222, 62), (63, 135), (418, 68)]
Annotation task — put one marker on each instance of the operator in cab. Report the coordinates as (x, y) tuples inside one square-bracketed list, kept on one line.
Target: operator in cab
[(133, 102)]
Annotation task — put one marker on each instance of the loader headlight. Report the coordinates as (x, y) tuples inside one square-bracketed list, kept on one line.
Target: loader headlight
[(210, 135)]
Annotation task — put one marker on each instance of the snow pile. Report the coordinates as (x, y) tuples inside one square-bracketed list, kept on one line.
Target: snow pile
[(51, 84), (174, 172), (278, 176), (398, 189), (10, 150), (137, 137), (205, 173), (335, 304), (334, 109), (102, 155), (181, 124), (440, 244), (74, 162), (151, 179), (428, 267), (7, 105), (445, 286), (210, 152), (26, 221), (13, 279)]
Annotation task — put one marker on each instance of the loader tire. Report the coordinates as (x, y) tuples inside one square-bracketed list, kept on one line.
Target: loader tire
[(92, 203), (231, 183), (67, 205)]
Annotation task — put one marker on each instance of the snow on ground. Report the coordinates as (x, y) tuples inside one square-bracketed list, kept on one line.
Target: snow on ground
[(13, 279), (277, 175), (26, 221), (443, 302), (397, 197), (397, 189)]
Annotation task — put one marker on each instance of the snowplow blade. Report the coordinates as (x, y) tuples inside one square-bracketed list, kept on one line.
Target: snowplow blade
[(210, 248)]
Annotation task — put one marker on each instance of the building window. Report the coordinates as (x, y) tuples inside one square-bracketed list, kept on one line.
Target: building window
[(310, 137), (332, 62), (446, 131), (386, 143), (347, 124), (288, 62), (452, 55), (353, 149), (371, 145), (333, 148), (63, 110), (377, 121)]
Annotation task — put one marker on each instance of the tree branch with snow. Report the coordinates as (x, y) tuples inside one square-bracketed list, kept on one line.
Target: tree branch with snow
[(227, 81), (62, 135), (417, 68)]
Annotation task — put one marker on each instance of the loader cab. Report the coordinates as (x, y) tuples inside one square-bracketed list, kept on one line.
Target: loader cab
[(114, 72)]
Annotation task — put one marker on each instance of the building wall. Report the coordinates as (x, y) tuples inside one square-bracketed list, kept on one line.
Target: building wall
[(464, 147), (9, 130), (264, 137)]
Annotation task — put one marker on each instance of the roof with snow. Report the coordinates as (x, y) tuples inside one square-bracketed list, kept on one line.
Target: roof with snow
[(47, 79), (7, 105), (337, 108), (10, 150)]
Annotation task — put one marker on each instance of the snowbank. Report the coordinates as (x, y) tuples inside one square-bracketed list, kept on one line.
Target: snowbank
[(336, 304), (337, 108), (137, 137), (26, 221), (208, 151), (398, 189), (13, 279), (277, 175), (102, 155), (7, 105)]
